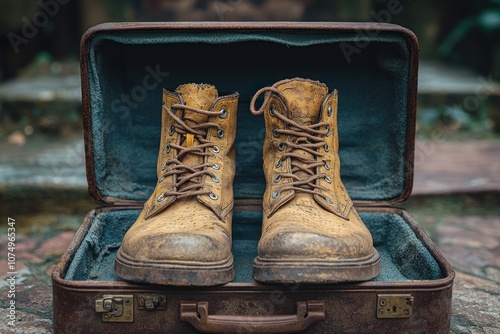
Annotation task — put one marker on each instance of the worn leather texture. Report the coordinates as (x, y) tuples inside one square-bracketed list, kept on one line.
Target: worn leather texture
[(194, 230), (321, 224)]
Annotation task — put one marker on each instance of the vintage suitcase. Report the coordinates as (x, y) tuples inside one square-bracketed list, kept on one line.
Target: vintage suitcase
[(373, 66)]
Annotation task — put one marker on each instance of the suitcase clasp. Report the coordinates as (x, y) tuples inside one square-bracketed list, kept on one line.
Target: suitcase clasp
[(116, 308), (394, 306)]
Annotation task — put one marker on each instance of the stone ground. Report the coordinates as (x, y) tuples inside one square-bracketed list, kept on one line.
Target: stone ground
[(463, 219)]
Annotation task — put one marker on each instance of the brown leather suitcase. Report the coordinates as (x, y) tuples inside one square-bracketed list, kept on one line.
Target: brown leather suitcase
[(374, 68)]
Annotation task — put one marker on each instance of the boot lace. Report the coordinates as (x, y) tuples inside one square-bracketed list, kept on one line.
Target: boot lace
[(188, 180), (307, 138)]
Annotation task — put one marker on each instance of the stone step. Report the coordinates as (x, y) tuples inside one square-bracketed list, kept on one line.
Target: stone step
[(51, 102), (44, 167)]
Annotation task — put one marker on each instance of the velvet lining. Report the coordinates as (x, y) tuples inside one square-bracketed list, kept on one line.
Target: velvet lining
[(404, 257), (128, 69)]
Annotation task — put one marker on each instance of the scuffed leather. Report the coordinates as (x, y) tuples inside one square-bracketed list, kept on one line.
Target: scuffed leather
[(301, 225), (196, 229)]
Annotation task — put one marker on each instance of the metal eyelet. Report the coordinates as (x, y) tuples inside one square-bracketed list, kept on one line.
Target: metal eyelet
[(281, 146), (272, 109), (168, 148), (330, 110), (215, 166), (329, 132), (161, 198), (172, 130), (220, 133), (215, 178), (327, 179), (327, 148), (279, 163), (172, 108), (275, 133), (224, 112), (328, 200), (161, 179), (276, 194), (327, 167), (277, 178), (216, 149), (213, 196), (164, 166)]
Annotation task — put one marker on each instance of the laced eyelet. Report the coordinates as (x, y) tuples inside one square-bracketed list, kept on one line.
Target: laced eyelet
[(327, 167), (215, 166), (329, 132), (277, 178), (220, 133), (216, 149), (213, 196), (281, 146), (327, 179), (275, 133), (272, 109), (328, 200), (168, 148), (172, 108), (171, 131), (215, 178), (279, 163), (327, 148), (164, 166), (161, 179), (224, 112), (276, 194), (161, 198), (330, 110)]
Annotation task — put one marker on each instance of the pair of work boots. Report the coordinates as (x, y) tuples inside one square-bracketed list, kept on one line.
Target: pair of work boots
[(311, 232)]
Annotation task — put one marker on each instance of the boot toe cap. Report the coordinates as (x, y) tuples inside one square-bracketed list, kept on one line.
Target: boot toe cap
[(309, 245), (177, 247)]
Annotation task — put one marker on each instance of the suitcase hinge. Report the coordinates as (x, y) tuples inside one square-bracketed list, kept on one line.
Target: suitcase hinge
[(116, 308), (394, 306)]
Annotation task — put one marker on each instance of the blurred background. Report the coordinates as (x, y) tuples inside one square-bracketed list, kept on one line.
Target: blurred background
[(39, 40), (456, 192)]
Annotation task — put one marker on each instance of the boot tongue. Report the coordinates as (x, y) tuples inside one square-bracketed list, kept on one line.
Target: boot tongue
[(198, 96), (304, 98)]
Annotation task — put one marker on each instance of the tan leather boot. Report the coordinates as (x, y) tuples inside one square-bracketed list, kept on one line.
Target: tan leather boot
[(311, 232), (183, 234)]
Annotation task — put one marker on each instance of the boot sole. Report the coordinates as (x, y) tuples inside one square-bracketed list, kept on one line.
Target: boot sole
[(174, 274), (315, 271)]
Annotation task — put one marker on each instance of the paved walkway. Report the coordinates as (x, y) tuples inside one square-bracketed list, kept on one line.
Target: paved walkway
[(456, 167)]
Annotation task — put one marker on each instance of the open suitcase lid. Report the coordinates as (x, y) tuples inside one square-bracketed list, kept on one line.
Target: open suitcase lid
[(125, 66)]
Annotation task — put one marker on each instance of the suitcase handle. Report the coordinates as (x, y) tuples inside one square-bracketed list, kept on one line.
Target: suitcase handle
[(308, 313)]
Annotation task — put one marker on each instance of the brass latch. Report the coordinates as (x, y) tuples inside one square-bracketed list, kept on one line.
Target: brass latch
[(394, 306), (116, 308), (152, 302)]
